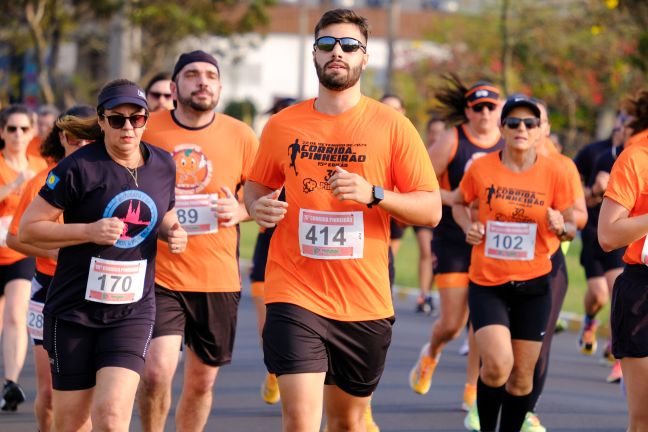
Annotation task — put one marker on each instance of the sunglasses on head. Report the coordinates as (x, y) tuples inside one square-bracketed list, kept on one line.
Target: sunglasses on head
[(12, 129), (158, 95), (480, 107), (327, 43), (514, 122), (117, 121)]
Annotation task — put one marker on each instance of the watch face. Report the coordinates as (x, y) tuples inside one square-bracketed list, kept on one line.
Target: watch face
[(379, 193)]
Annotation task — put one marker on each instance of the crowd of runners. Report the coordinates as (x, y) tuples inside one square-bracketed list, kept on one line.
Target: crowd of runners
[(119, 245)]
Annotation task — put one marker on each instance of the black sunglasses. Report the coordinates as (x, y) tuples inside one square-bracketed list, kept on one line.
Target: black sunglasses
[(12, 129), (117, 121), (158, 95), (327, 43), (514, 122), (480, 107)]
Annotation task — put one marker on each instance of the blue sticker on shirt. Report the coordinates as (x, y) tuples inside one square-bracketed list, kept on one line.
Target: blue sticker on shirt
[(52, 180)]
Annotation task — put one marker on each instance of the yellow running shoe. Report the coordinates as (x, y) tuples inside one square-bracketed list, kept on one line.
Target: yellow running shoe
[(532, 423), (469, 397), (370, 425), (587, 340), (471, 421), (270, 389), (420, 377)]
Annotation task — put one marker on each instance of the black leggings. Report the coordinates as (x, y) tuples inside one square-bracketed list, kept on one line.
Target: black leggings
[(558, 287)]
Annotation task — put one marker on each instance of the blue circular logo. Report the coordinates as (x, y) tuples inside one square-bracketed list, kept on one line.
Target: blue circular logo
[(139, 220)]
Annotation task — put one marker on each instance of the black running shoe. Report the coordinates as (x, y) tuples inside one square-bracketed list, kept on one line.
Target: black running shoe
[(12, 396)]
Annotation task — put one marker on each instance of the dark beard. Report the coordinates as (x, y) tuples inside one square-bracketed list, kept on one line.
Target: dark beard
[(196, 106), (338, 83)]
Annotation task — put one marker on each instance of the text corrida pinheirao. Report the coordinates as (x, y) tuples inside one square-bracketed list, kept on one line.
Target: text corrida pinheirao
[(519, 196), (332, 153)]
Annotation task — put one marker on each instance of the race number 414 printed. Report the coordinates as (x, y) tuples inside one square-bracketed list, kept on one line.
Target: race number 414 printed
[(331, 235)]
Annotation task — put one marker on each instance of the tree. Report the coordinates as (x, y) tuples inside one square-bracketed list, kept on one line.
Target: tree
[(43, 25)]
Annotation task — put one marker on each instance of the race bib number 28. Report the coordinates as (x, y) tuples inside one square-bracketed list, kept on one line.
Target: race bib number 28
[(331, 235)]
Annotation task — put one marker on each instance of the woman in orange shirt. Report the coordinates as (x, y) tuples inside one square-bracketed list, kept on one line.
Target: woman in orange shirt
[(16, 270), (623, 221), (522, 208)]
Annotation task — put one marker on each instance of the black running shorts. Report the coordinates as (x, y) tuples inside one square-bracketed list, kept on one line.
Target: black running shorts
[(21, 269), (629, 316), (523, 307), (77, 352), (595, 260), (352, 353), (206, 320)]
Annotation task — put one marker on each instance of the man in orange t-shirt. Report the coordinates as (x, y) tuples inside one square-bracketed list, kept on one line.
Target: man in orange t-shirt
[(622, 222), (197, 293), (340, 157)]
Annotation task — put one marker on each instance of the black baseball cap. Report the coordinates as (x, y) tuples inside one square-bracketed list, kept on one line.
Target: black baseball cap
[(192, 57), (519, 100), (280, 104), (111, 97), (482, 92)]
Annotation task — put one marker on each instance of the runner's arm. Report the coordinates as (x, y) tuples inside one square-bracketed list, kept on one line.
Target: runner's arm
[(39, 227), (172, 232), (413, 208), (562, 223), (262, 204), (580, 213), (24, 248), (462, 213), (616, 229), (441, 151)]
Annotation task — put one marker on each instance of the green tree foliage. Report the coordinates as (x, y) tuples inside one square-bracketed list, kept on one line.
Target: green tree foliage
[(43, 25), (582, 57)]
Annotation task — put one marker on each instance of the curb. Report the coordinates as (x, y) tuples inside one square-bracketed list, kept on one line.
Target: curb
[(574, 321)]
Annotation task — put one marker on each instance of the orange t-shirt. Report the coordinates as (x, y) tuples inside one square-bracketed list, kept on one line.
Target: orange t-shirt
[(574, 187), (33, 148), (639, 137), (523, 198), (9, 204), (628, 186), (320, 258), (43, 265), (219, 154)]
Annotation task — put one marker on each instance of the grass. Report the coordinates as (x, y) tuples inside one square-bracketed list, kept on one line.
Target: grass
[(407, 261)]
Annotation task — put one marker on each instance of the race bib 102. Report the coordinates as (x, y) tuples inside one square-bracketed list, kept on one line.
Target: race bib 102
[(510, 240)]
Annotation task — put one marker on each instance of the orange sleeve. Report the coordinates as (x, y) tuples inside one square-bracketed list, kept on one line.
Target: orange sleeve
[(28, 194), (467, 185), (407, 170), (574, 178), (252, 145), (266, 169), (624, 186)]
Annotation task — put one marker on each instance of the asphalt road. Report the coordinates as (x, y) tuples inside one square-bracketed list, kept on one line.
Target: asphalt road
[(576, 398)]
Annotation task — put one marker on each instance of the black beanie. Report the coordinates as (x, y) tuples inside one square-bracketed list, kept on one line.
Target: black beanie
[(192, 57)]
